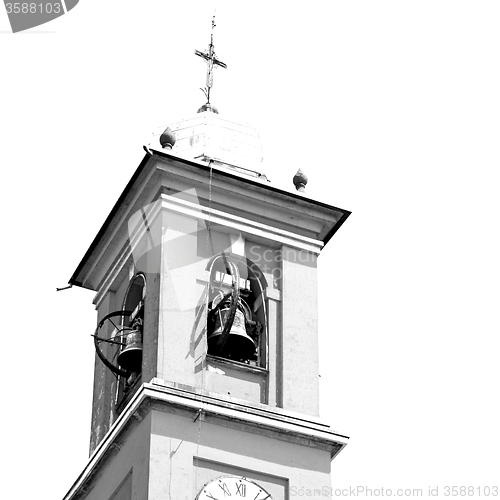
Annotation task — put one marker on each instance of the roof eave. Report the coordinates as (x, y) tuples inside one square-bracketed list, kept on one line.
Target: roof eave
[(76, 279)]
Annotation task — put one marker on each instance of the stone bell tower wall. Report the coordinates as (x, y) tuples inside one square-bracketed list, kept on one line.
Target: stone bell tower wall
[(172, 218)]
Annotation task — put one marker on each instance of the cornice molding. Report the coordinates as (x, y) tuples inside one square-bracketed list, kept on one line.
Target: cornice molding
[(161, 396), (174, 204), (308, 223)]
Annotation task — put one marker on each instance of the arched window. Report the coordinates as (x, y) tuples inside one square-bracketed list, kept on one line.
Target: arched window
[(237, 316), (130, 355)]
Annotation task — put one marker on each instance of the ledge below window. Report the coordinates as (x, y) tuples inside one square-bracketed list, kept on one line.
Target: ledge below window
[(237, 365)]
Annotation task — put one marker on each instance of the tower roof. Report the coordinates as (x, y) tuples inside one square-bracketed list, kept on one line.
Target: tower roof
[(289, 211)]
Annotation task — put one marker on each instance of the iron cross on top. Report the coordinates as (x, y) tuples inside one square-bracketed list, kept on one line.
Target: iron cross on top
[(212, 61)]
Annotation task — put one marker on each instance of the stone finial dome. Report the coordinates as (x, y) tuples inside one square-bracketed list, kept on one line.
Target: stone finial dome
[(167, 139), (300, 180), (208, 107)]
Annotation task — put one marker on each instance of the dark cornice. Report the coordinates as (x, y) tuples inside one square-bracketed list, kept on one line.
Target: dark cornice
[(201, 166)]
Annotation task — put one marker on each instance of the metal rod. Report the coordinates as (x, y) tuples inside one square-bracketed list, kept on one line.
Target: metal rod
[(64, 288), (107, 340)]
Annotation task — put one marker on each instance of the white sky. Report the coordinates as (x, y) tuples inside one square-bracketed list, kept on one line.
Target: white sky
[(392, 108)]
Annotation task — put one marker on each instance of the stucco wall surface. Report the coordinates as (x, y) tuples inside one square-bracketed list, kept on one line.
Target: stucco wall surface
[(186, 454)]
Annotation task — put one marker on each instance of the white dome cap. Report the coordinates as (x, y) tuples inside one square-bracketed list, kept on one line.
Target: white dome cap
[(207, 136)]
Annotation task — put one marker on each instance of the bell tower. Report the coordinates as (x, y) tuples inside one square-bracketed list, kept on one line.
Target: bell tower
[(206, 370)]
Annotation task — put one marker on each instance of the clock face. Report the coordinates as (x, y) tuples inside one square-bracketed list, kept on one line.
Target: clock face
[(233, 488)]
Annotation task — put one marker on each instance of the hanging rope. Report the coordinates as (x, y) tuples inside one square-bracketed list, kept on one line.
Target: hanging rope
[(204, 346)]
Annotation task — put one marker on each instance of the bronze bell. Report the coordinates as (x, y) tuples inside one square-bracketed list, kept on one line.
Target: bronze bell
[(239, 345), (130, 359)]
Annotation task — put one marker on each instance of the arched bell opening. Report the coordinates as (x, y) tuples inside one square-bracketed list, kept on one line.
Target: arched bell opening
[(129, 357), (237, 316), (118, 340)]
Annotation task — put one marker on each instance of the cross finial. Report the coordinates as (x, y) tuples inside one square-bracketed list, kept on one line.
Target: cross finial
[(212, 61)]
